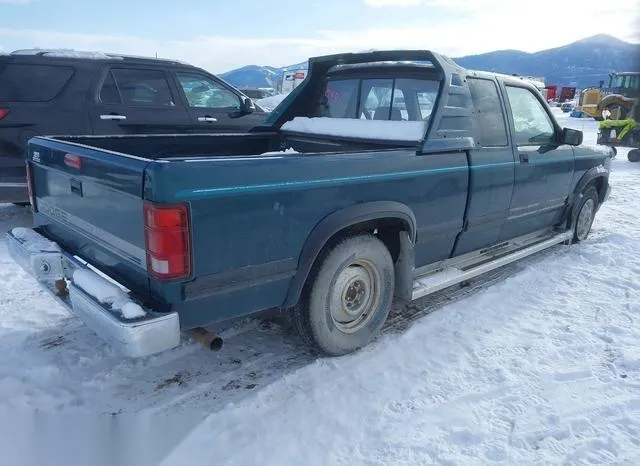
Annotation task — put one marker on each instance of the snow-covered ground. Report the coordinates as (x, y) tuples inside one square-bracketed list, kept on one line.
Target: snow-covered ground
[(537, 363)]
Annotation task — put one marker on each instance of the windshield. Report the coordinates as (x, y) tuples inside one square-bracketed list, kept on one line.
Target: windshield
[(629, 81)]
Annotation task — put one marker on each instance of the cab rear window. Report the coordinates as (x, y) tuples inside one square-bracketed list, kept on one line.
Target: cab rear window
[(399, 99), (32, 83)]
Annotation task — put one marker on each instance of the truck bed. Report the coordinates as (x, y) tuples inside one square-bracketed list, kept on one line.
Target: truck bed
[(188, 146)]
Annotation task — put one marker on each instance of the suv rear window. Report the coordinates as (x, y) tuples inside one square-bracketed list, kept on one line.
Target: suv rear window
[(32, 83)]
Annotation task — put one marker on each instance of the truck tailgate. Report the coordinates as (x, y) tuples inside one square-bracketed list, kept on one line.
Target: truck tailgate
[(90, 201)]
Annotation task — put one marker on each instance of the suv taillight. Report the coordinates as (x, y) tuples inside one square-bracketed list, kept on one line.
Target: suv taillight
[(32, 200), (167, 238), (3, 112)]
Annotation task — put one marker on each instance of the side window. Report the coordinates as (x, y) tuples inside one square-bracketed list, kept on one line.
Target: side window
[(109, 93), (532, 124), (32, 83), (375, 100), (202, 92), (492, 131), (140, 87)]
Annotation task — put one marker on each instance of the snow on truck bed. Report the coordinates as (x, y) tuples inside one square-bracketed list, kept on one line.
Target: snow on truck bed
[(536, 364), (386, 130)]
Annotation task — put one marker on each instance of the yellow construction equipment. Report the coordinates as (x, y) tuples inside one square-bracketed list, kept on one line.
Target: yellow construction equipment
[(616, 100)]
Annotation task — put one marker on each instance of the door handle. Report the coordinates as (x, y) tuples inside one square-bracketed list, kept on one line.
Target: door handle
[(207, 118), (113, 117), (524, 157)]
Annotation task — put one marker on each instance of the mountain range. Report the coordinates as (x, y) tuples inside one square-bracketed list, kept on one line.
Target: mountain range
[(582, 64)]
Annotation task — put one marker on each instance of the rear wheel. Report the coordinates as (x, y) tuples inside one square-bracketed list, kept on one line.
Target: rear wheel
[(586, 213), (634, 155), (348, 299)]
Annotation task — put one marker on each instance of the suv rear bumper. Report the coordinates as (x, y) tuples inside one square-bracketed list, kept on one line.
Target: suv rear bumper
[(13, 179), (153, 333)]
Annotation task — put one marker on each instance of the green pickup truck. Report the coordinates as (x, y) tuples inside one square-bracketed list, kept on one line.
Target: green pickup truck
[(383, 176)]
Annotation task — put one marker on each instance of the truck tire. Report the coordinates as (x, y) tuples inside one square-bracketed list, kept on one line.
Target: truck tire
[(585, 214), (348, 298), (634, 155)]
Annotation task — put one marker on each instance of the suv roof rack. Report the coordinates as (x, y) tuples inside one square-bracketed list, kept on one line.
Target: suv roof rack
[(63, 53), (95, 55)]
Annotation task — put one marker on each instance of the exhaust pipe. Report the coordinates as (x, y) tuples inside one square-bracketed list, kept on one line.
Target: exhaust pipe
[(208, 339)]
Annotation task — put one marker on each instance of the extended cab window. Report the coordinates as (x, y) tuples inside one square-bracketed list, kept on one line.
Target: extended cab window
[(32, 83), (206, 93), (531, 122), (492, 131), (136, 87)]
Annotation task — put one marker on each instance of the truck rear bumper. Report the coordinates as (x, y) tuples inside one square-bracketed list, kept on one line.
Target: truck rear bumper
[(143, 336)]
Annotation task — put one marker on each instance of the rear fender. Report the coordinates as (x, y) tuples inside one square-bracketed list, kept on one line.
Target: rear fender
[(345, 218)]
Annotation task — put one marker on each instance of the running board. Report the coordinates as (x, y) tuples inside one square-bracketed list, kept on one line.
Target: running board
[(458, 270)]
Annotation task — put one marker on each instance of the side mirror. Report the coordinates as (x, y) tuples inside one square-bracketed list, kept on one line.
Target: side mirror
[(572, 137), (247, 105)]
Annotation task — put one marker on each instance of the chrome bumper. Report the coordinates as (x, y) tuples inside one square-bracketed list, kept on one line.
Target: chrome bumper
[(153, 333)]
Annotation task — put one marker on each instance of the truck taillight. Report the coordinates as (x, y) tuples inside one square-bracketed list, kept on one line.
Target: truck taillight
[(3, 112), (30, 186), (167, 239)]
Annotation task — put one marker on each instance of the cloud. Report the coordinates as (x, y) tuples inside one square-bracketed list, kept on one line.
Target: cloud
[(485, 26), (383, 3)]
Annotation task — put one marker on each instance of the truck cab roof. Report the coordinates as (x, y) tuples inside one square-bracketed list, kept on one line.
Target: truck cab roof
[(447, 125)]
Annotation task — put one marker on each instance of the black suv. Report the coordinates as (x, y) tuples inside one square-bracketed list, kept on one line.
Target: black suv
[(58, 92)]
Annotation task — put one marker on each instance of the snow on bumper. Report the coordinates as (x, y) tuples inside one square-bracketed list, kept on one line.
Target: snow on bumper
[(152, 333)]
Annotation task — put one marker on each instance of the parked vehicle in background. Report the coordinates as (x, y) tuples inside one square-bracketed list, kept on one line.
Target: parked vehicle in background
[(374, 180), (567, 93), (257, 93), (623, 87), (566, 107), (624, 132), (69, 92), (269, 103), (291, 80)]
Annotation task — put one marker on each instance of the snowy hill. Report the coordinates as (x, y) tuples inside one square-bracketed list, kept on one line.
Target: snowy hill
[(582, 63), (252, 76)]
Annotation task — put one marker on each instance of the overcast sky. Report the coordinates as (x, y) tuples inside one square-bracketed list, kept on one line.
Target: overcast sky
[(220, 35)]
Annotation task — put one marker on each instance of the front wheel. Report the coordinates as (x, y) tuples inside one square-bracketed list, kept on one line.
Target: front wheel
[(634, 155), (586, 213), (349, 297)]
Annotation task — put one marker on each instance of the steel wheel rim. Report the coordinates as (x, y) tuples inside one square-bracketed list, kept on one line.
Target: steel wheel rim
[(356, 296), (585, 219)]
